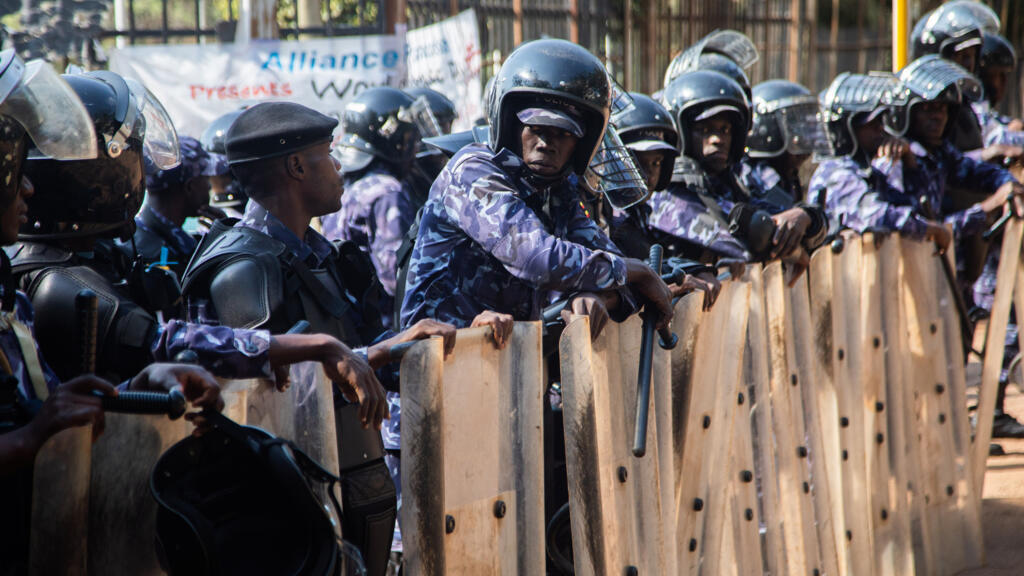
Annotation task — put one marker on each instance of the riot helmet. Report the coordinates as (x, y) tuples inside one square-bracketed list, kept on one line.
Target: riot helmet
[(648, 127), (853, 99), (441, 106), (785, 119), (928, 79), (997, 63), (386, 124), (214, 135), (99, 196), (734, 46), (557, 75), (951, 28), (701, 92)]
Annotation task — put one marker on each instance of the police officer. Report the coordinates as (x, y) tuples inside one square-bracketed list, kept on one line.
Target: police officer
[(649, 133), (281, 155), (224, 192), (173, 195), (997, 63), (856, 184), (504, 227), (34, 403), (784, 135), (382, 138), (707, 214)]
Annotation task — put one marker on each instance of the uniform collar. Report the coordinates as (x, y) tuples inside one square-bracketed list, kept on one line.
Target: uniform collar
[(312, 248)]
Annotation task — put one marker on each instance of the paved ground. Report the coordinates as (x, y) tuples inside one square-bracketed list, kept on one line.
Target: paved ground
[(1003, 506)]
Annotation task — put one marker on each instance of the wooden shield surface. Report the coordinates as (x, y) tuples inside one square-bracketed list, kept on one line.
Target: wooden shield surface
[(472, 456), (615, 497)]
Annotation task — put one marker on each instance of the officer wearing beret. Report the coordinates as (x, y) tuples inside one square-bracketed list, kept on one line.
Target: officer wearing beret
[(270, 270), (172, 196)]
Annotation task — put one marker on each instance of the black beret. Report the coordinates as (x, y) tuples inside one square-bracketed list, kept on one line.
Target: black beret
[(274, 129)]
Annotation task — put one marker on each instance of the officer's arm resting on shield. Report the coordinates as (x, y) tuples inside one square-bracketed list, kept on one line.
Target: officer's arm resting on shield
[(517, 237)]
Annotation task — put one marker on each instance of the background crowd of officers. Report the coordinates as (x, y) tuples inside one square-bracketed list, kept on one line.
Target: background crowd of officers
[(399, 230)]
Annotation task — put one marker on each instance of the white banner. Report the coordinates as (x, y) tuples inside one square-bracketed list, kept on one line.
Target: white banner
[(446, 57), (198, 83)]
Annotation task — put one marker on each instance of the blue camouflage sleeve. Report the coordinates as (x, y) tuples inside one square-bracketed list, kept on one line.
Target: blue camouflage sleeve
[(393, 215), (583, 230), (226, 352), (493, 215), (966, 172), (860, 204)]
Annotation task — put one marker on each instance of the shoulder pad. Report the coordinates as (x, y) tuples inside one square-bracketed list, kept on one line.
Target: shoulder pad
[(245, 292), (28, 256), (234, 244)]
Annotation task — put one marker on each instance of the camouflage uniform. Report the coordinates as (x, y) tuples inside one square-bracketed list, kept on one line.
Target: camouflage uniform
[(376, 211), (12, 352), (993, 126), (490, 240)]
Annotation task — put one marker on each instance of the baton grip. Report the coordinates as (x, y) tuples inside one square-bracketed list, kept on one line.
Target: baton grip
[(86, 304), (172, 403), (998, 226), (666, 338)]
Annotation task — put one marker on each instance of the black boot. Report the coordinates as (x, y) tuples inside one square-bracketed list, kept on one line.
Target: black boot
[(1006, 426)]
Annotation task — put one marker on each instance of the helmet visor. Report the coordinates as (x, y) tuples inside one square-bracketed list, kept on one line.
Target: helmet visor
[(614, 173), (985, 17), (803, 131), (930, 76), (50, 112), (733, 44), (160, 144), (419, 114), (621, 101)]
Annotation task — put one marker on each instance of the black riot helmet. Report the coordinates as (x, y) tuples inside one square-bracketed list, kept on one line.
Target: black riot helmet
[(726, 51), (648, 126), (215, 134), (853, 98), (927, 79), (384, 123), (100, 196), (952, 27), (996, 50), (556, 74), (785, 119), (214, 516), (694, 93), (441, 106)]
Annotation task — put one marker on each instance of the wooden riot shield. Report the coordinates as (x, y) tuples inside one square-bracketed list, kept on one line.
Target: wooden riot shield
[(614, 497), (472, 456), (117, 527)]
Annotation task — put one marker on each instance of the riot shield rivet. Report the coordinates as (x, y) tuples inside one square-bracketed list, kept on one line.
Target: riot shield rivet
[(816, 572), (837, 245), (880, 438), (747, 476), (623, 473), (748, 514), (807, 488), (632, 571), (739, 399), (933, 328), (846, 455), (942, 418), (693, 544), (707, 422), (792, 379), (698, 504), (844, 421), (449, 524), (885, 514), (842, 354), (849, 536), (801, 451), (877, 342), (949, 490), (499, 509), (879, 406), (939, 388)]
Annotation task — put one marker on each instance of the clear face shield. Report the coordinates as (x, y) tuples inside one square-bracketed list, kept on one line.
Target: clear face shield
[(803, 130), (160, 144), (614, 174), (732, 44), (49, 110), (621, 101), (419, 114)]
